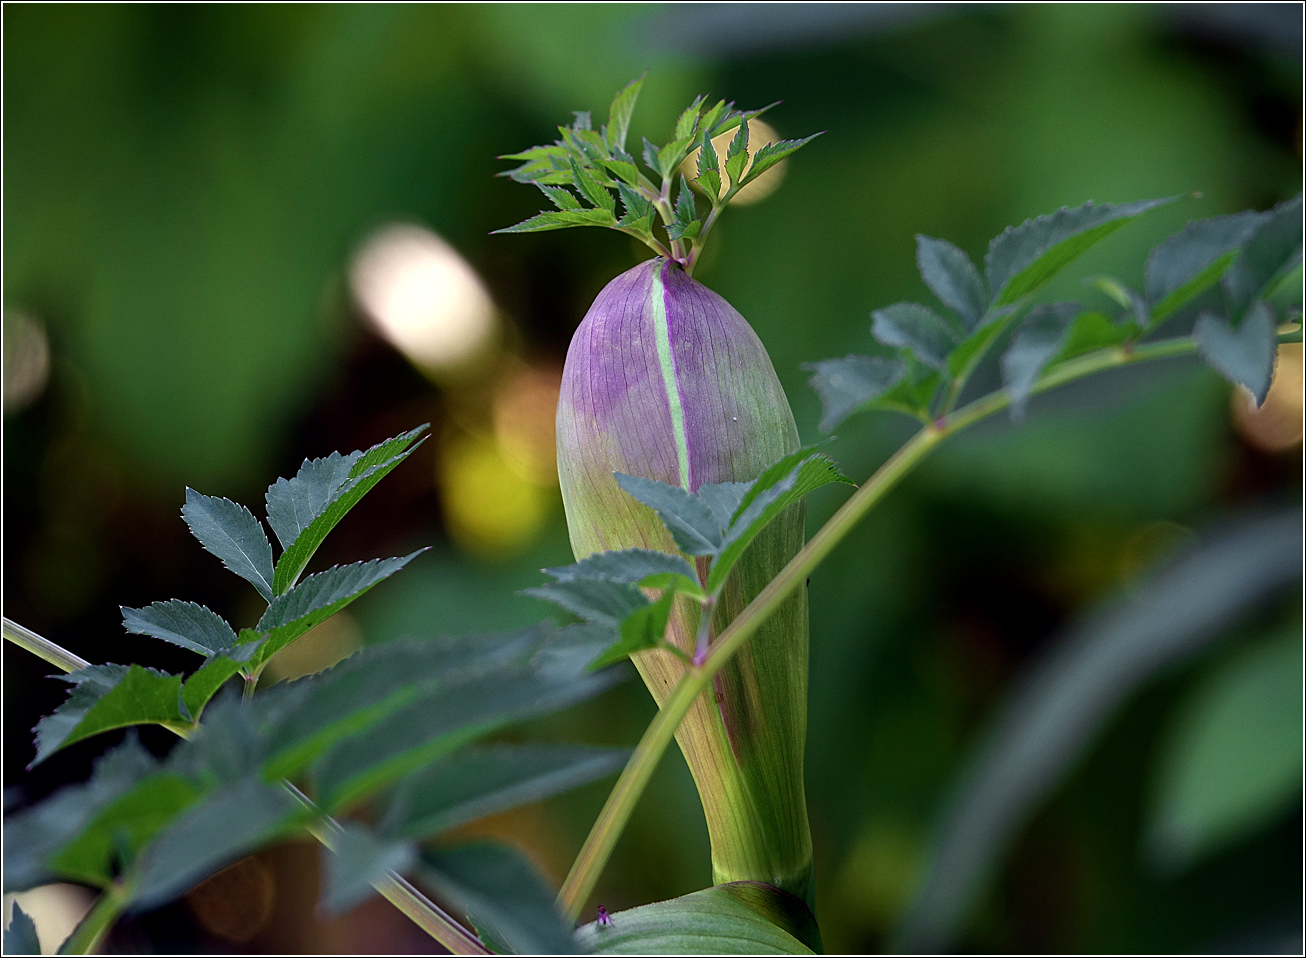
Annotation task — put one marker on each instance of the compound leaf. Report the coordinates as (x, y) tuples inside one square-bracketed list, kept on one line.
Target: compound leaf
[(852, 383), (619, 114), (917, 328), (1244, 356), (106, 697), (1194, 259), (231, 533), (192, 626), (625, 565), (1035, 345), (687, 517), (1273, 247), (951, 276)]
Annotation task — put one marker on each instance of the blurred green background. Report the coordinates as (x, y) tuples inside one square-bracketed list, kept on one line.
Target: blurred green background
[(238, 236)]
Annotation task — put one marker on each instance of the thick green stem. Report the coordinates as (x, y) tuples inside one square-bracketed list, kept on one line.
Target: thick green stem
[(393, 888), (90, 931), (617, 810)]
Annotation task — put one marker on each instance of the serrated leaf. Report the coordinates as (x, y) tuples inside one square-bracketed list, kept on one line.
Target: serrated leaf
[(223, 827), (1034, 346), (1194, 259), (689, 520), (106, 697), (1136, 309), (1273, 247), (623, 565), (951, 276), (709, 173), (1023, 258), (601, 601), (686, 207), (625, 169), (319, 597), (780, 486), (687, 123), (917, 328), (357, 858), (125, 825), (643, 628), (964, 357), (562, 220), (560, 197), (1236, 762), (1244, 356), (582, 120), (723, 498), (737, 156), (231, 533), (670, 156), (205, 682), (484, 781), (20, 936), (303, 511), (192, 626), (650, 153), (590, 188), (712, 121), (619, 114), (445, 716), (848, 384), (769, 154), (499, 889), (33, 835), (732, 919)]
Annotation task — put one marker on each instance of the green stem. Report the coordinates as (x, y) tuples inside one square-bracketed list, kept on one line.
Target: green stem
[(630, 785), (90, 931), (395, 889)]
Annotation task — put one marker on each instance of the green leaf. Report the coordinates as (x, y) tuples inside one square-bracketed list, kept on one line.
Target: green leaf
[(1194, 259), (917, 328), (484, 781), (319, 597), (106, 697), (544, 164), (1273, 248), (231, 533), (723, 498), (714, 119), (967, 354), (651, 157), (852, 383), (709, 173), (688, 518), (639, 212), (20, 934), (357, 859), (737, 156), (192, 626), (205, 681), (1024, 257), (499, 890), (951, 276), (562, 220), (643, 628), (601, 601), (619, 114), (1034, 346), (223, 827), (685, 224), (591, 189), (626, 565), (303, 510), (34, 834), (1236, 762), (731, 919), (1089, 332), (772, 153), (1244, 356), (780, 486), (445, 716), (124, 826), (625, 169), (1136, 308), (562, 198)]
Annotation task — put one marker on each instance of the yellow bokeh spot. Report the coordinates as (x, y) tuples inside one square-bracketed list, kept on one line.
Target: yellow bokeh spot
[(759, 134), (1277, 424), (490, 508)]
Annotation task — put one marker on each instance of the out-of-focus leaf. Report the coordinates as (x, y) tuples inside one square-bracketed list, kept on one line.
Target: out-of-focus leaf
[(619, 114), (192, 626), (1237, 760), (739, 918), (643, 628), (779, 487), (563, 219), (1194, 259), (484, 781), (1023, 258), (602, 601), (688, 518), (1089, 332), (357, 858), (1054, 710), (319, 597), (20, 934), (34, 834), (624, 565), (1035, 345), (499, 890), (918, 328), (952, 277), (1135, 306), (1273, 248), (967, 354), (124, 826), (231, 533), (223, 827), (106, 697), (1244, 356), (852, 383)]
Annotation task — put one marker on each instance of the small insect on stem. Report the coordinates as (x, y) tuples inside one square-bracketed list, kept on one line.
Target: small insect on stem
[(604, 918)]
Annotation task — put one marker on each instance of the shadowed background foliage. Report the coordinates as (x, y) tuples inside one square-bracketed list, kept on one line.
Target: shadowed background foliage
[(235, 237)]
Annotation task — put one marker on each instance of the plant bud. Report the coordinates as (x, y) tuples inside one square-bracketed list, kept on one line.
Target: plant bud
[(665, 380)]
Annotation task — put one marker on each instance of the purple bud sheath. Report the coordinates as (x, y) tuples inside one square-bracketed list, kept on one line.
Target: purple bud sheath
[(665, 380)]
